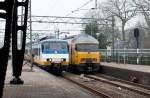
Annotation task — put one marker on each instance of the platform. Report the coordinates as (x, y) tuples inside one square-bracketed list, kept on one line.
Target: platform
[(40, 84), (127, 71), (140, 68)]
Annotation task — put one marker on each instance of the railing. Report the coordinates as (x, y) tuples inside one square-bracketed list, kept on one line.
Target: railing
[(126, 56)]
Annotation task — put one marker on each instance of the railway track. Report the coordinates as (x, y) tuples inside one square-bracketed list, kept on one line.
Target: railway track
[(123, 81), (99, 93), (140, 89), (105, 89), (108, 87)]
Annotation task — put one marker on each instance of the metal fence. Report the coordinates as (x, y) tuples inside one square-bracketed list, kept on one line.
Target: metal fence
[(126, 56)]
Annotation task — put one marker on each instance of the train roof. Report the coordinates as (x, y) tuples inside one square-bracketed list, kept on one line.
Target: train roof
[(46, 40), (49, 40), (84, 38), (70, 37)]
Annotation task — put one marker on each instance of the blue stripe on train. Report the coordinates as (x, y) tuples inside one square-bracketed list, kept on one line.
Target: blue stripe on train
[(49, 51)]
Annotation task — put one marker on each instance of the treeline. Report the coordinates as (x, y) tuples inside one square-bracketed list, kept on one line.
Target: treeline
[(115, 20)]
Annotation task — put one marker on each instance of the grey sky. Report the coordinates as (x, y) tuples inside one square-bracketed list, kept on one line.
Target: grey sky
[(58, 7), (63, 8)]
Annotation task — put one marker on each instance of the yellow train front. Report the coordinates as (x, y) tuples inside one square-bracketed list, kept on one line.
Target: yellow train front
[(84, 54)]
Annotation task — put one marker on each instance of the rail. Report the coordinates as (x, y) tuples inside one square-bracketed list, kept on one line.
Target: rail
[(94, 91), (137, 89)]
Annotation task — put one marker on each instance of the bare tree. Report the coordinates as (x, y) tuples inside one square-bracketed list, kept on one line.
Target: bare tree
[(144, 8), (122, 9)]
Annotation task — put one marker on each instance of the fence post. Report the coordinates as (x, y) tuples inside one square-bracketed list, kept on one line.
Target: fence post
[(124, 56), (137, 60), (118, 56), (106, 56)]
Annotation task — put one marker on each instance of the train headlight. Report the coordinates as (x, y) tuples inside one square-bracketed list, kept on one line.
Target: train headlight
[(50, 59), (63, 59)]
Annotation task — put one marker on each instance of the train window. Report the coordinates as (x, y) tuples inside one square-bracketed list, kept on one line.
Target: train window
[(87, 47), (55, 45), (21, 13), (58, 45), (46, 46), (35, 51), (2, 31), (64, 46), (39, 51), (19, 39), (42, 47)]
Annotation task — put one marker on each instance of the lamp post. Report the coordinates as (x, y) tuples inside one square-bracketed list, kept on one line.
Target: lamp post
[(113, 24), (30, 22)]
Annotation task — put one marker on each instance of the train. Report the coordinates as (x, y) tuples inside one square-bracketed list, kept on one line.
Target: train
[(50, 54), (84, 54), (79, 53)]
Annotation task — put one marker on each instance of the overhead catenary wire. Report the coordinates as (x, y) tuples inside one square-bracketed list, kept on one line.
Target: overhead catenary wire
[(79, 7)]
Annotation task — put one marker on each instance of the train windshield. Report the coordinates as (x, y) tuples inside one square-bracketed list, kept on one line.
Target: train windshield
[(54, 45), (87, 47)]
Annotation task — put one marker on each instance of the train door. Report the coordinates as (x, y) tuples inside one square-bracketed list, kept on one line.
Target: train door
[(73, 54), (70, 53)]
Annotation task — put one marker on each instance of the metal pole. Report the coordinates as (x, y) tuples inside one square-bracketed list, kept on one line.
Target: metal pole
[(137, 40), (95, 4), (124, 56), (113, 24), (58, 33), (21, 35), (92, 26), (30, 20)]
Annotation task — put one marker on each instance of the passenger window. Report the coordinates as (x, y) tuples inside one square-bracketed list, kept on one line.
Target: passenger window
[(39, 51), (75, 48), (42, 48)]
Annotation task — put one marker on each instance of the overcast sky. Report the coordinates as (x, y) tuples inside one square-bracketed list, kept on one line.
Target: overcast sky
[(63, 8), (59, 7)]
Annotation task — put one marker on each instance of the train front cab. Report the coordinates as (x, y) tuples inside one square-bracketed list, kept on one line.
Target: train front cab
[(56, 66), (51, 60), (85, 57), (50, 65)]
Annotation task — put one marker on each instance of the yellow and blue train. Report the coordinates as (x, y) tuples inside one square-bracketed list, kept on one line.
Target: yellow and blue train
[(50, 54), (84, 54), (79, 53)]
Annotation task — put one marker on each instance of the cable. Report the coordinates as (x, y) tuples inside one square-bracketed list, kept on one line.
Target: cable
[(79, 7)]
